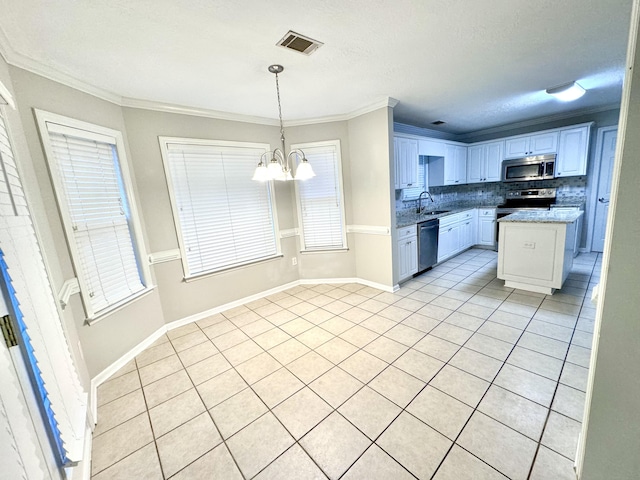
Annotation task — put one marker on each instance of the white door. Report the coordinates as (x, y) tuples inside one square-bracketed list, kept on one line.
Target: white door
[(607, 155), (21, 455)]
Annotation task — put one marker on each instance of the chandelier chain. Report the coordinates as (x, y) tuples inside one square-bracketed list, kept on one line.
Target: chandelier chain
[(280, 113)]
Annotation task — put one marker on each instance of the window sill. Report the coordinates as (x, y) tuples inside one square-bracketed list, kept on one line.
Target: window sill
[(325, 250), (200, 276), (119, 306)]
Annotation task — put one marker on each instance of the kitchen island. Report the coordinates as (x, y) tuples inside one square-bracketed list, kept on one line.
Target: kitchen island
[(536, 249)]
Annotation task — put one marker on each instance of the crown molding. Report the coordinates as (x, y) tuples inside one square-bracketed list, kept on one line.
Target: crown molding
[(34, 66), (385, 102), (195, 111), (537, 121)]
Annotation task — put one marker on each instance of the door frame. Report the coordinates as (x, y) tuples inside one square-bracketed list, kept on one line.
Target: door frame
[(595, 179)]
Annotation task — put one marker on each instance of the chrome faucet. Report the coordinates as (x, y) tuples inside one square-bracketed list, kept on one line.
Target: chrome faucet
[(419, 210)]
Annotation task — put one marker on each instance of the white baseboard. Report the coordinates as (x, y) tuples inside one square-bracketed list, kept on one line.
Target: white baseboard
[(227, 306), (117, 365), (139, 348)]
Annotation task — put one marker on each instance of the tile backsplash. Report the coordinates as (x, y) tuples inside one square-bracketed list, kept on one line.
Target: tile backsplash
[(570, 191)]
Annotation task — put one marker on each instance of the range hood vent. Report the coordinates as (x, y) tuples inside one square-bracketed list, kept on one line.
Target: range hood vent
[(299, 43)]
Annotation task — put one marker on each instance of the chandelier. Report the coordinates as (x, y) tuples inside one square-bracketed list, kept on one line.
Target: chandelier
[(278, 166)]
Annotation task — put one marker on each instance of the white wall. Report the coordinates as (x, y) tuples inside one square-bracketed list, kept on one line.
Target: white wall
[(612, 442)]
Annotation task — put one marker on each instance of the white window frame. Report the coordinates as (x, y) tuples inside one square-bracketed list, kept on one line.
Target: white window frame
[(164, 143), (304, 147), (99, 133)]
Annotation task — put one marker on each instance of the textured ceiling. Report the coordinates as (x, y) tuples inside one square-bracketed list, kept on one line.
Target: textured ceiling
[(474, 64)]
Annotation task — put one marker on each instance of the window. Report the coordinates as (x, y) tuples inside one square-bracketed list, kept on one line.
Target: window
[(320, 199), (224, 219), (93, 189)]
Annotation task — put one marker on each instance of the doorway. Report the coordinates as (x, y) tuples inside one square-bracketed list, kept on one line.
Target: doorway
[(605, 157)]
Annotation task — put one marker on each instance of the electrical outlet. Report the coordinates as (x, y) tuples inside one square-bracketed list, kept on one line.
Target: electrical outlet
[(531, 245), (294, 261)]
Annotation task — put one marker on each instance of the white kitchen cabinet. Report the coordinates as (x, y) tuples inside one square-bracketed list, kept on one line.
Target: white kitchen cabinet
[(484, 162), (448, 241), (487, 227), (406, 162), (407, 248), (572, 151), (534, 144), (451, 169), (456, 233), (431, 148), (536, 255)]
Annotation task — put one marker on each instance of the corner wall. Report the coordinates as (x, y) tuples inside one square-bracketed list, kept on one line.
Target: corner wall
[(116, 334), (373, 204), (612, 426)]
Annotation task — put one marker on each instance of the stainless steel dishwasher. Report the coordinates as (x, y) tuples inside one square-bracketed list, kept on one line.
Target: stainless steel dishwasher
[(427, 244)]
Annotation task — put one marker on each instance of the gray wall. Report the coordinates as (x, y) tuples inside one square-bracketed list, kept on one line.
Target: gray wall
[(366, 174), (371, 151), (337, 264), (181, 299), (613, 394), (115, 335)]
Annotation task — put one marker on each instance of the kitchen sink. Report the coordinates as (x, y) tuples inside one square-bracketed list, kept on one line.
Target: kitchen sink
[(434, 212)]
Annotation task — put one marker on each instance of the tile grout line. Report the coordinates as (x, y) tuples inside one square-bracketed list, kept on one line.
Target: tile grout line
[(546, 421), (358, 348)]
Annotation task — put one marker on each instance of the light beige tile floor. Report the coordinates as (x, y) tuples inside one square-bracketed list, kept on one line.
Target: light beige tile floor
[(453, 376)]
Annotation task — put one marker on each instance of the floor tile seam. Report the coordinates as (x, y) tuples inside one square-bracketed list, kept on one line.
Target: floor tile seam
[(92, 475), (553, 397), (208, 412), (153, 435), (475, 409), (367, 449), (155, 361), (121, 422), (178, 352), (100, 405)]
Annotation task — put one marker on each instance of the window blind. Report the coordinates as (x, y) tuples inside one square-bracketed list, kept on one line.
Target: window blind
[(94, 197), (320, 199), (224, 218)]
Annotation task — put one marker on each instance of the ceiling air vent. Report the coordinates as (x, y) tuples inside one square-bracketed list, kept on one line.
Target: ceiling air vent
[(438, 122), (299, 43)]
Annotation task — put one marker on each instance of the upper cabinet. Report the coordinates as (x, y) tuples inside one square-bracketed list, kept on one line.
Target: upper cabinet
[(484, 161), (572, 151), (534, 144), (406, 162), (450, 169), (432, 148)]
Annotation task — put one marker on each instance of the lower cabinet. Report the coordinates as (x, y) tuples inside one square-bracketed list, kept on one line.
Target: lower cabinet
[(457, 233), (448, 241), (407, 248), (487, 227)]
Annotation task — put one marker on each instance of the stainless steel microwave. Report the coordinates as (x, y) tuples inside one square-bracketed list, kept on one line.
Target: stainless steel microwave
[(540, 167)]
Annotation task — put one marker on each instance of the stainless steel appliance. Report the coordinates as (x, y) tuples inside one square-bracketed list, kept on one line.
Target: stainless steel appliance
[(427, 244), (527, 199), (540, 167)]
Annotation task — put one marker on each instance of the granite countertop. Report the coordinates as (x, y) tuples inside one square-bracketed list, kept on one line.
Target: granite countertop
[(410, 217), (545, 216)]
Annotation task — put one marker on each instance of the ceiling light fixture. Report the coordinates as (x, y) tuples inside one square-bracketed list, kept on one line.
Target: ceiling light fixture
[(567, 92), (279, 166)]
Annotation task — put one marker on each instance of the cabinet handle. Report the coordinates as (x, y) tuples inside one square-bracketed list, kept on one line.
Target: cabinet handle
[(409, 184), (467, 223), (449, 230)]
